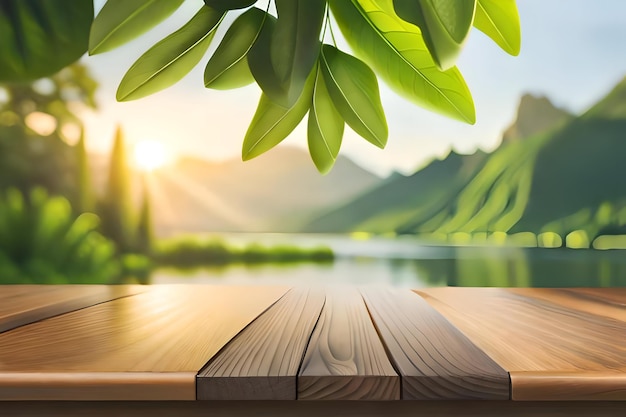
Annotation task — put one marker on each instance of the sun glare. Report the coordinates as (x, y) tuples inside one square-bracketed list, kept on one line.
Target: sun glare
[(150, 155)]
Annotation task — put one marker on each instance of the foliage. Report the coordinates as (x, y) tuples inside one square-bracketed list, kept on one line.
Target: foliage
[(42, 242), (41, 37), (412, 45), (189, 252), (115, 208), (30, 156)]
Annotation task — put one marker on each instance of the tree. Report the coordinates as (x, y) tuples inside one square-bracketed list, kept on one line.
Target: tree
[(84, 199), (411, 44), (145, 234), (116, 206)]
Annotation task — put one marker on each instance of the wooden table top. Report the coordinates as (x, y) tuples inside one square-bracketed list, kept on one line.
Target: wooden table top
[(188, 342)]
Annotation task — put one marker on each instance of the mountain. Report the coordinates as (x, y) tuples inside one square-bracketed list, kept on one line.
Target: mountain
[(401, 198), (273, 192), (565, 177), (535, 114)]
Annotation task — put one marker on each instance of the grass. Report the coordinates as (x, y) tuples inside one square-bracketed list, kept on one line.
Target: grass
[(190, 253)]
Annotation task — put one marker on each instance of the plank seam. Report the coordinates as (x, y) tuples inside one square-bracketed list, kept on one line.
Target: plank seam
[(70, 311), (306, 347), (382, 340), (223, 348)]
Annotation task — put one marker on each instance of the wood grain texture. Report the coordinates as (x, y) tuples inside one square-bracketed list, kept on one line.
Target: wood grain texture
[(162, 333), (434, 359), (313, 408), (262, 362), (580, 300), (579, 386), (24, 304), (527, 334), (345, 359)]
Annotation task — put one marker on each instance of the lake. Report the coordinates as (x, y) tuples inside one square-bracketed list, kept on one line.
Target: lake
[(411, 263)]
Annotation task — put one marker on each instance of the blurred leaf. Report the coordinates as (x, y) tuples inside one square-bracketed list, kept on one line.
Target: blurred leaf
[(260, 62), (353, 88), (499, 20), (396, 50), (39, 38), (295, 46), (121, 21), (325, 128), (273, 123), (172, 58), (444, 25), (229, 4), (228, 67)]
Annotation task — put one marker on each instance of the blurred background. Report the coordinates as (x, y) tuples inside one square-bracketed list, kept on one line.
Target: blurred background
[(154, 191)]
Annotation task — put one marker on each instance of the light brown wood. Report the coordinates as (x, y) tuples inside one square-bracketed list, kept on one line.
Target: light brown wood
[(579, 386), (314, 408), (434, 359), (575, 299), (161, 333), (528, 334), (24, 304), (120, 386), (262, 362), (345, 359)]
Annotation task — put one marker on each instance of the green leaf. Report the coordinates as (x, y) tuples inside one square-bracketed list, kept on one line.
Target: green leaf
[(260, 62), (499, 20), (273, 123), (121, 21), (229, 4), (396, 50), (445, 25), (353, 87), (172, 58), (228, 67), (39, 38), (295, 45), (325, 127)]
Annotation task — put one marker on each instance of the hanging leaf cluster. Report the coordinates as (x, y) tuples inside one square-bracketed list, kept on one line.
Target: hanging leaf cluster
[(411, 44)]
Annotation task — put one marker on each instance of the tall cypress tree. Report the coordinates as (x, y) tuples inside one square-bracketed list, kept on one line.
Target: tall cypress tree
[(145, 232), (116, 206), (84, 199)]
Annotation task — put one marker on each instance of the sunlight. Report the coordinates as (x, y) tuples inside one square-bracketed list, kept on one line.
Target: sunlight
[(150, 155)]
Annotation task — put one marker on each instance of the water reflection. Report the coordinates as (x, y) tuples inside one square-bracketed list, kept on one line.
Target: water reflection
[(431, 266)]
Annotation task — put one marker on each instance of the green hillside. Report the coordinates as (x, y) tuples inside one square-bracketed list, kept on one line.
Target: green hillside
[(401, 199), (568, 177)]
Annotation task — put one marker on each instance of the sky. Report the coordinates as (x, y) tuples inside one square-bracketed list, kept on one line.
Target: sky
[(572, 52)]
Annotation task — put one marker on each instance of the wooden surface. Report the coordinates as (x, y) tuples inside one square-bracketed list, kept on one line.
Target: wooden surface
[(345, 359), (24, 304), (544, 344), (162, 336), (262, 362), (213, 342), (436, 361)]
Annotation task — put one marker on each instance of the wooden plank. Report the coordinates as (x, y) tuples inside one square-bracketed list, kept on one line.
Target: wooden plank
[(314, 408), (345, 359), (531, 335), (558, 386), (434, 359), (262, 362), (579, 299), (24, 304), (149, 346)]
